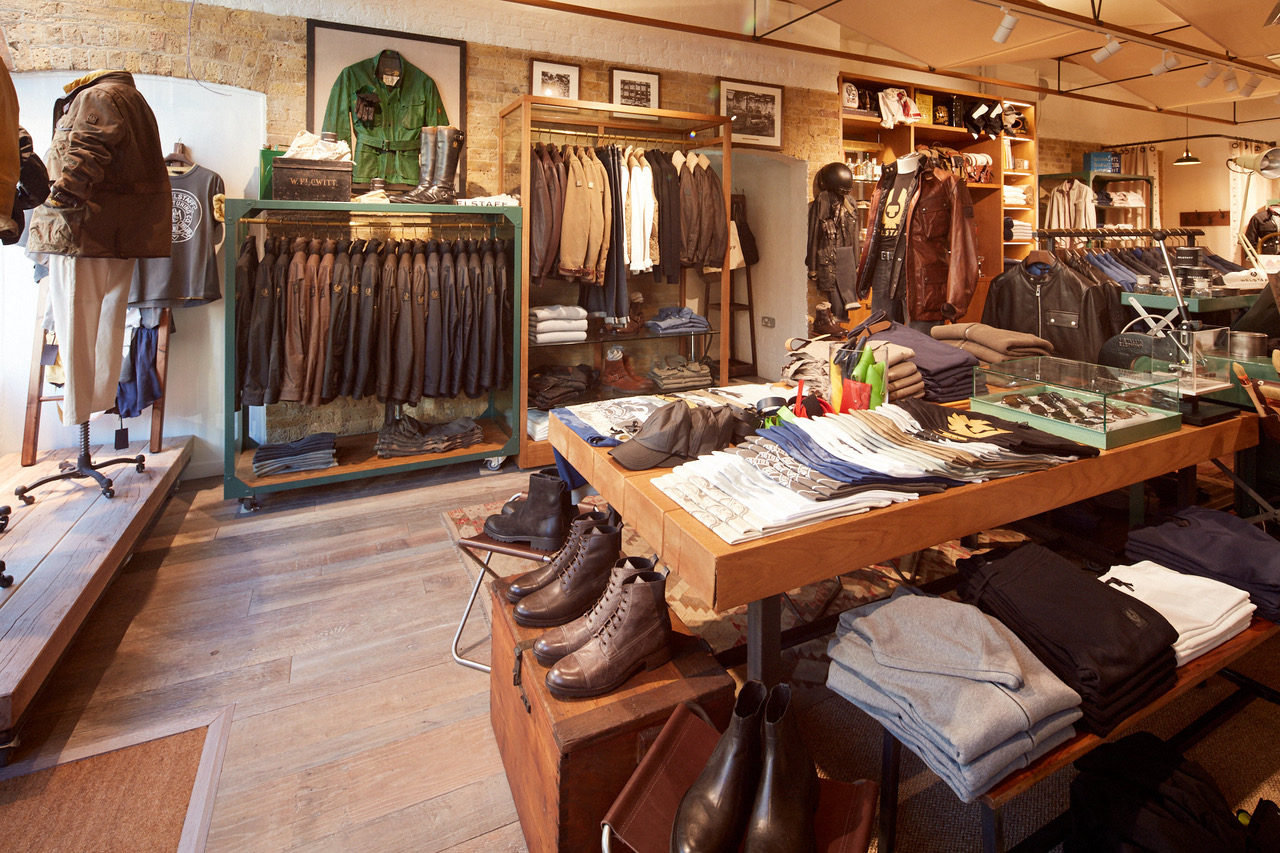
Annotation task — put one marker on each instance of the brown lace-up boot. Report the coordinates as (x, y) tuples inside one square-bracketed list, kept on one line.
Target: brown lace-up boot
[(535, 580), (579, 586), (566, 639)]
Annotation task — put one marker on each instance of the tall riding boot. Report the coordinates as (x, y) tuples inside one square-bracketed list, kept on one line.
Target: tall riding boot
[(636, 636), (559, 642), (427, 165), (448, 149), (578, 587), (535, 580), (540, 520), (713, 813), (787, 796)]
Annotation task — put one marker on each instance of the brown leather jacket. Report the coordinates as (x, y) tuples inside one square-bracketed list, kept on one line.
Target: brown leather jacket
[(941, 258), (106, 153)]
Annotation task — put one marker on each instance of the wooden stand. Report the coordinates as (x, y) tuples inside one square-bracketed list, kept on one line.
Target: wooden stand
[(567, 761)]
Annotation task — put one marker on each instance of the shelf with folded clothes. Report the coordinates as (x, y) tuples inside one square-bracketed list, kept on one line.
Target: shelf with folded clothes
[(621, 339)]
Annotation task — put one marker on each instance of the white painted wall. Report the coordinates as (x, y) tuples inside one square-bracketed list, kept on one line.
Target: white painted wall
[(224, 127)]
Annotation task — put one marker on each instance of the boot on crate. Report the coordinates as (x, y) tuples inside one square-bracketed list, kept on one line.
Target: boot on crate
[(561, 641), (534, 580), (786, 796), (427, 170), (617, 375), (635, 636), (714, 811), (542, 519), (514, 504), (578, 586), (824, 322)]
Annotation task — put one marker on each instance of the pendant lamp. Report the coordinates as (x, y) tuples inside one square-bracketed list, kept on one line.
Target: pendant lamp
[(1187, 158)]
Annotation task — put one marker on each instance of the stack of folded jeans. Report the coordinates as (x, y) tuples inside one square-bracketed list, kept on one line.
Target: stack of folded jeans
[(309, 453), (1205, 612), (1218, 545), (953, 684), (558, 385), (553, 324), (947, 371), (408, 436), (680, 320), (1111, 648)]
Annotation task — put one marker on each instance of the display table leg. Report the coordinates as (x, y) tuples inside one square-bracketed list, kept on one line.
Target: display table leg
[(764, 640)]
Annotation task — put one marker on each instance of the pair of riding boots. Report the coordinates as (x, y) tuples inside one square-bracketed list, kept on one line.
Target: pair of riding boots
[(438, 162)]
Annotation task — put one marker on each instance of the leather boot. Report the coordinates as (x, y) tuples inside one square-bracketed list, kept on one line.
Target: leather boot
[(559, 642), (641, 381), (448, 149), (824, 322), (616, 377), (635, 320), (713, 813), (514, 504), (540, 520), (532, 581), (787, 794), (427, 166), (636, 636), (578, 586)]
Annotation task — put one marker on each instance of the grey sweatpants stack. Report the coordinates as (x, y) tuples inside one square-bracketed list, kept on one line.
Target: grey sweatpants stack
[(954, 685)]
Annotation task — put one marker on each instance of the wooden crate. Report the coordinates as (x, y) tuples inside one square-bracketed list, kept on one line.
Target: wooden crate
[(567, 760), (310, 180)]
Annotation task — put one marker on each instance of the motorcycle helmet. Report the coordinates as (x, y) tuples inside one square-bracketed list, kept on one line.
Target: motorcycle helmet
[(836, 178)]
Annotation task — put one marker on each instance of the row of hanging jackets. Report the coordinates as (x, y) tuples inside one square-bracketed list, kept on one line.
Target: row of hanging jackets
[(597, 215), (398, 320)]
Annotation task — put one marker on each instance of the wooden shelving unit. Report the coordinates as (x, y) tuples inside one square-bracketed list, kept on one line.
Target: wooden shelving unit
[(533, 118), (356, 456)]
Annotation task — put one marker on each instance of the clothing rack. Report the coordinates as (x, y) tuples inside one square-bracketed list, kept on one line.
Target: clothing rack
[(1157, 234), (684, 141)]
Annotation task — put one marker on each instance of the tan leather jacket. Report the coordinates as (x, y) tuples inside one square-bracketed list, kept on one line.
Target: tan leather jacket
[(105, 153)]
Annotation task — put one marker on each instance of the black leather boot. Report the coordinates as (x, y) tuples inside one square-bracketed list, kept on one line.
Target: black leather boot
[(573, 593), (561, 641), (541, 520), (427, 173), (448, 149), (514, 504), (713, 813), (787, 795), (535, 580)]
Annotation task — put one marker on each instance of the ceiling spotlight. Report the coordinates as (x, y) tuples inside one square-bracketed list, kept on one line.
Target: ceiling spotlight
[(1230, 81), (1007, 23), (1250, 86), (1210, 74), (1167, 61), (1107, 50)]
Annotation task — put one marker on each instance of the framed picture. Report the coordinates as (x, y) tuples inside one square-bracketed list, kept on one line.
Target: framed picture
[(849, 95), (332, 48), (634, 88), (553, 79), (755, 113)]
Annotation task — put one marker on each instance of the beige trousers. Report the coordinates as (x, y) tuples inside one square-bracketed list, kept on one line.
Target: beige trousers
[(89, 297)]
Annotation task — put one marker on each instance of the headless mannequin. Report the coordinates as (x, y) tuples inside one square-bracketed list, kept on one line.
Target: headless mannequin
[(894, 220)]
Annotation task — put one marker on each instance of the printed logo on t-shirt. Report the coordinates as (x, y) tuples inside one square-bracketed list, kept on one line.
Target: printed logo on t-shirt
[(963, 428), (186, 215)]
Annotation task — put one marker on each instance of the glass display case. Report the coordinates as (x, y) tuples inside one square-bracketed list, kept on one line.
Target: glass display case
[(1093, 404)]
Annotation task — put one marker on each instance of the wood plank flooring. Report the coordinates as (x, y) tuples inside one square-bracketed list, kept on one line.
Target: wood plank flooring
[(326, 619)]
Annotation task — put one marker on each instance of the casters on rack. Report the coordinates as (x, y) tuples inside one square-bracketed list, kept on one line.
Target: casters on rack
[(83, 468), (6, 580), (4, 518), (492, 464), (249, 504)]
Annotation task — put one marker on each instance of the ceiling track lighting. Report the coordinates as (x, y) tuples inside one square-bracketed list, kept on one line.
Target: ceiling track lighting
[(1250, 86), (1210, 74), (1230, 81), (1108, 50), (1168, 61), (1007, 23)]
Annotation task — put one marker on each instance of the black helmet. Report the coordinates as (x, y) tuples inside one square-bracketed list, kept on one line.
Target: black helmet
[(835, 177)]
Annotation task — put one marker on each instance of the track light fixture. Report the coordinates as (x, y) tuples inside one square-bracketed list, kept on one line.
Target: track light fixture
[(1250, 86), (1210, 74), (1007, 23), (1107, 51), (1230, 81), (1168, 61)]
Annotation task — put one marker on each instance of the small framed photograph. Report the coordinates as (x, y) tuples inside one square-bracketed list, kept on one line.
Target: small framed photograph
[(634, 88), (755, 113), (553, 79)]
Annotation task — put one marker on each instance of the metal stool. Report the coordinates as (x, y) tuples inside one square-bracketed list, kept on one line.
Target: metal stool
[(470, 547)]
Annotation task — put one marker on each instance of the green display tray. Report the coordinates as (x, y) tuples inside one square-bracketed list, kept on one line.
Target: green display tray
[(1117, 435)]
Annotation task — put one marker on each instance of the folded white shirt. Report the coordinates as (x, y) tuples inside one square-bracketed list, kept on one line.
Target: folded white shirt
[(556, 337), (541, 326), (558, 312)]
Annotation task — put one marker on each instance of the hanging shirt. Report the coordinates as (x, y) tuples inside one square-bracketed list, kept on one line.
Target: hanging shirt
[(386, 146), (189, 276)]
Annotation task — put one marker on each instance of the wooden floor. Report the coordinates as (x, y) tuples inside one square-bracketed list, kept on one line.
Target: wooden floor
[(326, 619)]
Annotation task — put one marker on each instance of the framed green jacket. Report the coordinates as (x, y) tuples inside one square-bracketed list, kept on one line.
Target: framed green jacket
[(387, 146)]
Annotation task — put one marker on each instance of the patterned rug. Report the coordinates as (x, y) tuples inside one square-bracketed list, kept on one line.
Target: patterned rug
[(805, 664)]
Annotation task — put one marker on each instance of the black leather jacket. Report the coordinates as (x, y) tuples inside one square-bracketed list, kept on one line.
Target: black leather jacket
[(1075, 315)]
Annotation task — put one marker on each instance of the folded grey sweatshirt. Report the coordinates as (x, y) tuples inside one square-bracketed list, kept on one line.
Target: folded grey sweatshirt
[(966, 678)]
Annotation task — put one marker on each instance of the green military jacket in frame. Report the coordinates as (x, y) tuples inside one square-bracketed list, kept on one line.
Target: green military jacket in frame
[(386, 147)]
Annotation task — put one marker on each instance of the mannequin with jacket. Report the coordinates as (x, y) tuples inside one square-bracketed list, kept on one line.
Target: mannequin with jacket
[(109, 205), (1263, 223), (919, 262)]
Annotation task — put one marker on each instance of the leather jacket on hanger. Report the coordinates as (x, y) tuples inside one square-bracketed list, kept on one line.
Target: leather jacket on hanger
[(1059, 305)]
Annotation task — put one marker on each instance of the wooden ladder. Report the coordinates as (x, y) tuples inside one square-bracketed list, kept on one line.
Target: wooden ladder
[(737, 367), (43, 352)]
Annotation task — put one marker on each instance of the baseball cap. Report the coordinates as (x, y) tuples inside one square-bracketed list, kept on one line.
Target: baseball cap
[(662, 440)]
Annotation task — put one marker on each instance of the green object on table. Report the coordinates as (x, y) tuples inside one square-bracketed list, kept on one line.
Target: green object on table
[(875, 378), (864, 364)]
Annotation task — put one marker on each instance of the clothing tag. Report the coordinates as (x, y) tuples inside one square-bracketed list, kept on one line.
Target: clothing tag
[(591, 185), (980, 111), (122, 438), (577, 183), (48, 354), (390, 80)]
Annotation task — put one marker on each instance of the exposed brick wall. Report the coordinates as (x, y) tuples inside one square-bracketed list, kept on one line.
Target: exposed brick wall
[(1063, 155)]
